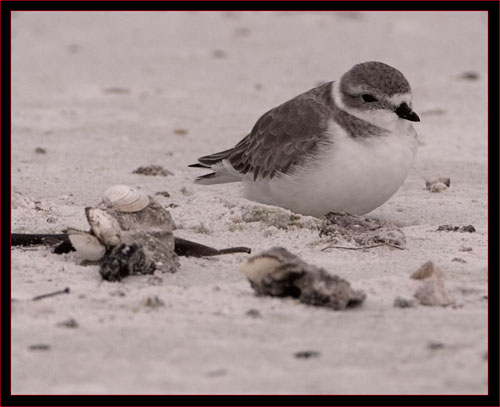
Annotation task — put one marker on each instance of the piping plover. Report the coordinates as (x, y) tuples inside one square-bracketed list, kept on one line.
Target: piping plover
[(345, 146)]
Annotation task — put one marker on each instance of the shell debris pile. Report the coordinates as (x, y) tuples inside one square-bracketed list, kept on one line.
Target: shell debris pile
[(357, 231), (130, 233), (279, 273), (437, 184)]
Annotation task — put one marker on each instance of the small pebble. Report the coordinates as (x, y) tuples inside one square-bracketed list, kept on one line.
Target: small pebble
[(116, 90), (154, 280), (461, 229), (163, 193), (181, 132), (254, 313), (201, 228), (40, 150), (306, 354), (69, 323), (458, 259), (438, 185), (435, 345), (468, 228), (469, 76), (39, 346), (153, 302), (242, 32), (73, 48), (216, 373), (465, 249), (152, 170), (400, 302), (218, 53)]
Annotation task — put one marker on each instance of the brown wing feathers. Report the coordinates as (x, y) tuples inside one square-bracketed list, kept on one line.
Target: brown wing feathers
[(282, 137)]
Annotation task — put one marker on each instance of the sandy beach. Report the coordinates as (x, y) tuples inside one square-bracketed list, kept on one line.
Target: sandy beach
[(96, 95)]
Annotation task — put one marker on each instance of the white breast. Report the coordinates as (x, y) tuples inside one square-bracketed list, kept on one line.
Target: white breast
[(352, 175)]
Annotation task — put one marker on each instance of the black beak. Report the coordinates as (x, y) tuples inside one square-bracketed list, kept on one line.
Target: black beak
[(404, 111)]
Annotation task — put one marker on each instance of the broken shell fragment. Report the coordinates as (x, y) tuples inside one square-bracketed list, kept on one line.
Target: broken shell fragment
[(123, 198), (277, 272), (432, 290), (104, 226), (86, 244), (426, 270)]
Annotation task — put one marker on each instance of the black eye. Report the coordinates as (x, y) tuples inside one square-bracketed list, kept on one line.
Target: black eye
[(368, 98)]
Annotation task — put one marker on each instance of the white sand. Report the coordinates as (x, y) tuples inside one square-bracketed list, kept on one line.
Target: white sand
[(104, 92)]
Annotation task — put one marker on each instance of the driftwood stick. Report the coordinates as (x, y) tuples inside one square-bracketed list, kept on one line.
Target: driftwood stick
[(183, 247), (25, 239), (362, 247), (59, 292)]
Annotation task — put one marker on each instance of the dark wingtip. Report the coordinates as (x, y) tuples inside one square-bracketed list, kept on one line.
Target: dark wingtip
[(198, 165)]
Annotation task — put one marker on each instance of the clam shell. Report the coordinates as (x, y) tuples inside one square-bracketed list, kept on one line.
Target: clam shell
[(123, 198), (86, 244), (104, 226)]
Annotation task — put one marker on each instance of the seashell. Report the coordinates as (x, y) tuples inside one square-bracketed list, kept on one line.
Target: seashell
[(86, 244), (104, 226), (432, 291), (123, 198)]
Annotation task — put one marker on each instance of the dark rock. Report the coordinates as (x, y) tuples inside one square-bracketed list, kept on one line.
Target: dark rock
[(279, 273), (307, 354), (124, 260)]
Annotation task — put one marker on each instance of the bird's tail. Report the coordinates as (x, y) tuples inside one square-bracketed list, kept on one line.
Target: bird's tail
[(221, 174)]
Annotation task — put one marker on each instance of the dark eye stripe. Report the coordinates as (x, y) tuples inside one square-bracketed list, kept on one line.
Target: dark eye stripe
[(368, 98)]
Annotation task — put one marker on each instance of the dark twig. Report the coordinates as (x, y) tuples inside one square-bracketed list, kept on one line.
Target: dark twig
[(39, 297), (230, 250), (183, 247), (362, 247), (28, 239)]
